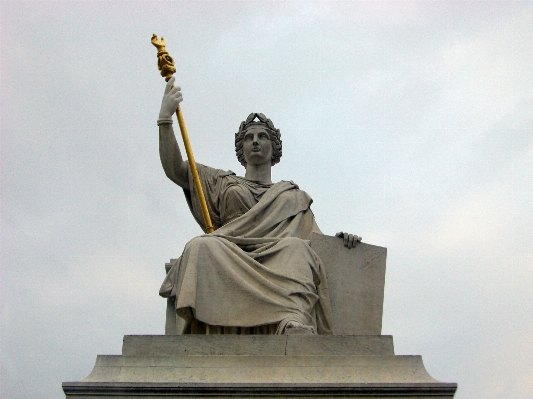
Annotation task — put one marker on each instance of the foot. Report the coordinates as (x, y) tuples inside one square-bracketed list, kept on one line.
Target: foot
[(294, 328)]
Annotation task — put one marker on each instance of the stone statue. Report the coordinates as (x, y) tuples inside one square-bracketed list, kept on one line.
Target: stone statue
[(256, 273)]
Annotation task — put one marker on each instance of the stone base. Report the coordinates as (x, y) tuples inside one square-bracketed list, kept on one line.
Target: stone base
[(258, 366)]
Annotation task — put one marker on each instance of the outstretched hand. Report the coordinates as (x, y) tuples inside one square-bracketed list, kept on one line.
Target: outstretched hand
[(350, 240), (171, 100)]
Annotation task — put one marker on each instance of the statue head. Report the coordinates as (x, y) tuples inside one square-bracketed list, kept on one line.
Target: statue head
[(258, 119)]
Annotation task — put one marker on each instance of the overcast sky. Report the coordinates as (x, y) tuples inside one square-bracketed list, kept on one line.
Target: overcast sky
[(409, 123)]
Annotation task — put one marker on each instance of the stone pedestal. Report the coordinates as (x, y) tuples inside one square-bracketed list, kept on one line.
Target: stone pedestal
[(357, 363), (268, 366)]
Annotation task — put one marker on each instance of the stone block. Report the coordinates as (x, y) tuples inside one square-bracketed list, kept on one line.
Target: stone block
[(167, 345), (338, 345), (257, 345)]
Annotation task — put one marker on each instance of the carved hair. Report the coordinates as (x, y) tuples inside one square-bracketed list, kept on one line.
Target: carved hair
[(273, 133)]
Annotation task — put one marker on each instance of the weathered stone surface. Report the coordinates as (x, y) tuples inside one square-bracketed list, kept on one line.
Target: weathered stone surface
[(167, 345), (356, 282), (260, 369), (263, 366), (255, 345), (336, 345)]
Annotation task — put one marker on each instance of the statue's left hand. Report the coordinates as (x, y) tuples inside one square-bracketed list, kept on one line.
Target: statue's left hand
[(350, 240)]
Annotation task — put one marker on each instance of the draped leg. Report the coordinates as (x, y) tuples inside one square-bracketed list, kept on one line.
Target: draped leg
[(224, 285)]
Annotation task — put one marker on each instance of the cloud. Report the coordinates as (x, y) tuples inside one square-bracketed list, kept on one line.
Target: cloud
[(409, 123)]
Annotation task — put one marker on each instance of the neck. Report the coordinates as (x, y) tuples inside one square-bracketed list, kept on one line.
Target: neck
[(259, 172)]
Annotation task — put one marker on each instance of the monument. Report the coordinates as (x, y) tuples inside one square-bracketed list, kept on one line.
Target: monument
[(263, 304)]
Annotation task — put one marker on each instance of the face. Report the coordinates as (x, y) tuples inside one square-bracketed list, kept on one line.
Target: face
[(257, 147)]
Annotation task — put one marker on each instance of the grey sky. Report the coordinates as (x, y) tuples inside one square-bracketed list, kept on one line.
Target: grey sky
[(409, 123)]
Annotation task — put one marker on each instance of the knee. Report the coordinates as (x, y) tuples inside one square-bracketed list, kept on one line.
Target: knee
[(294, 242), (198, 243)]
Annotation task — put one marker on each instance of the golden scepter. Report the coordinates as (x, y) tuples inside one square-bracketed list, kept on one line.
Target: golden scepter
[(165, 63)]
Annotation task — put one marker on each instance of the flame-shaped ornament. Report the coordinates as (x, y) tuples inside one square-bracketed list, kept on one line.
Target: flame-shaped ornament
[(165, 63)]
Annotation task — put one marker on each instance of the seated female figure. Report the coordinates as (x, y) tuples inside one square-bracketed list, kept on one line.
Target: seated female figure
[(256, 273)]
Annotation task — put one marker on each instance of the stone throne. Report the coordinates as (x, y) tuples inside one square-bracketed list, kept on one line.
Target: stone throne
[(357, 362)]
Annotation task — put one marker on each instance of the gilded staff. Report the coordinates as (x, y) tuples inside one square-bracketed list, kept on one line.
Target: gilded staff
[(165, 63)]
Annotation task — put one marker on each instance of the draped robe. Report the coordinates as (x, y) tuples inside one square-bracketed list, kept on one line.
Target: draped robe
[(256, 272)]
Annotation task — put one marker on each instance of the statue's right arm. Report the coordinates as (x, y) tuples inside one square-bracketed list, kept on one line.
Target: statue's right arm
[(174, 166)]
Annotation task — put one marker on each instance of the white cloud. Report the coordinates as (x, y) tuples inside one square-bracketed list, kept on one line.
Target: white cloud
[(408, 122)]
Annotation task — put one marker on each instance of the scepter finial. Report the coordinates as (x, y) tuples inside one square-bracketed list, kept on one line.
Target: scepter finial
[(165, 63)]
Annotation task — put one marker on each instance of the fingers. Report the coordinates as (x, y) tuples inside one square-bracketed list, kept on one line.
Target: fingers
[(174, 96), (175, 91), (171, 100), (170, 84), (356, 239), (350, 240)]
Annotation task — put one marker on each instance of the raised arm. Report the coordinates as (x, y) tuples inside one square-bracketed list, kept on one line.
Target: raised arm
[(174, 166)]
